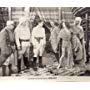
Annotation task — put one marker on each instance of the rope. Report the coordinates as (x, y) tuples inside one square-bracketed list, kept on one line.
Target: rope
[(40, 15)]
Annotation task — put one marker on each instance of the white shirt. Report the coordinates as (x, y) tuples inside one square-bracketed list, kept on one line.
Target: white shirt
[(38, 32), (22, 32)]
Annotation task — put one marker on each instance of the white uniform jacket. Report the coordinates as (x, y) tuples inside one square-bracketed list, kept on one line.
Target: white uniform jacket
[(38, 36), (22, 33)]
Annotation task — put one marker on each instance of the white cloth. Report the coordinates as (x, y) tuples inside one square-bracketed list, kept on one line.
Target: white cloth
[(38, 32), (53, 38), (10, 23), (22, 32), (24, 51), (9, 60), (78, 19)]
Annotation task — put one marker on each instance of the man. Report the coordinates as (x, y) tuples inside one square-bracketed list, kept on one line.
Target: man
[(53, 38), (78, 31), (38, 41), (7, 47), (23, 36)]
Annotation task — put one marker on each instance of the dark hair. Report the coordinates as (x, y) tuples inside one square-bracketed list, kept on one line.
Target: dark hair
[(56, 23), (66, 23), (36, 21)]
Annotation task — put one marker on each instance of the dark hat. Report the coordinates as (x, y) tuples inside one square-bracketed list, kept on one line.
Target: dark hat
[(37, 17)]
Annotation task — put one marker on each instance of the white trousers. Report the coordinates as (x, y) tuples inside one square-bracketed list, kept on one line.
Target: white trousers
[(24, 50), (38, 49)]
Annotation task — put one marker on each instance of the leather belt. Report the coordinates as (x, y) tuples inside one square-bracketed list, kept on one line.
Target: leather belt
[(38, 38), (24, 40)]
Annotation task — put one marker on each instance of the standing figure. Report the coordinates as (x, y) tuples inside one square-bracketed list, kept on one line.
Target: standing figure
[(54, 38), (78, 31), (66, 50), (39, 42), (23, 39), (7, 47)]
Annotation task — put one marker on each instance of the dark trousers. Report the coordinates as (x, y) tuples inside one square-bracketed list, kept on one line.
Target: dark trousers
[(4, 70), (26, 62)]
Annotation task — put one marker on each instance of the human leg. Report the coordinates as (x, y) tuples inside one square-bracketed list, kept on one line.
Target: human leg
[(61, 58), (19, 57), (41, 50), (4, 70), (35, 51)]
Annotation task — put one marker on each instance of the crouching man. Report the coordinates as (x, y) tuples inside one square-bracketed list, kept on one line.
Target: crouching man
[(38, 41), (7, 47)]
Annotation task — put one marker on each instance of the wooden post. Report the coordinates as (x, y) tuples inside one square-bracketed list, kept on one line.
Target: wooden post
[(59, 10), (27, 11), (87, 39), (9, 12)]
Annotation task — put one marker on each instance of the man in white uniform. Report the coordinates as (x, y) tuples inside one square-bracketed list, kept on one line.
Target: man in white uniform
[(38, 41), (22, 36)]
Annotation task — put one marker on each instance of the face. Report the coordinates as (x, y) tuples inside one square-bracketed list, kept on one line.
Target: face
[(41, 24), (52, 24), (77, 22), (11, 27)]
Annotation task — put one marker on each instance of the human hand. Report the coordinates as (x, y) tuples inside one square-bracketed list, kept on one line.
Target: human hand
[(19, 48)]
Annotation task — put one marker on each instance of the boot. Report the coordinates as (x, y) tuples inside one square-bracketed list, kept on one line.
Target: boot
[(40, 62), (26, 62), (4, 70), (19, 65), (35, 63), (10, 69)]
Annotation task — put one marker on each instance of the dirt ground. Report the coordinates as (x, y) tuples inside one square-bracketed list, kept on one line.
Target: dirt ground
[(51, 63)]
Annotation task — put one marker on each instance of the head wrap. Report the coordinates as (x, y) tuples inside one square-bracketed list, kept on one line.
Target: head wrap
[(78, 19), (10, 23)]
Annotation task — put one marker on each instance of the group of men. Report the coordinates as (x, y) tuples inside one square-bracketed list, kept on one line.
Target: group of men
[(70, 39), (21, 38)]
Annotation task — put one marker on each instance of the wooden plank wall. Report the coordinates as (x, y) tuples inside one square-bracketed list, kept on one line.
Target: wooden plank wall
[(48, 13)]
